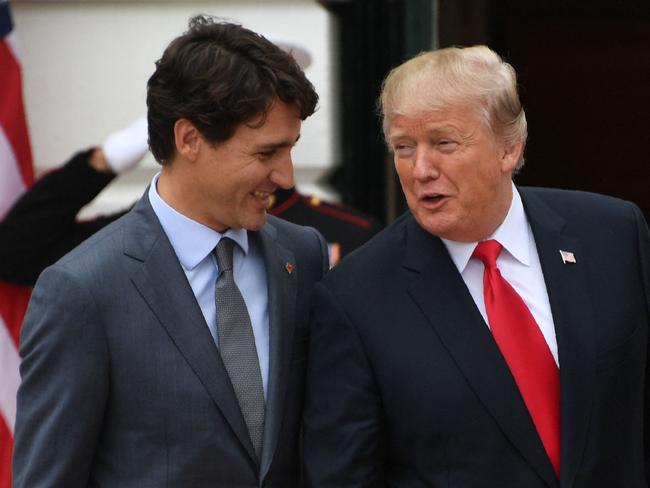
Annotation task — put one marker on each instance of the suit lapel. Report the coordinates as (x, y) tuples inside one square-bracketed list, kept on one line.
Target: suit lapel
[(439, 291), (282, 288), (161, 282), (573, 318)]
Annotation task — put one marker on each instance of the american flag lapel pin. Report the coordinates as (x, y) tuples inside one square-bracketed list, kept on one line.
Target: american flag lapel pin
[(289, 267), (567, 257)]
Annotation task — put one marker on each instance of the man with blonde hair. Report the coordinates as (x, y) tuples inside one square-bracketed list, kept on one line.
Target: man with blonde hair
[(492, 336)]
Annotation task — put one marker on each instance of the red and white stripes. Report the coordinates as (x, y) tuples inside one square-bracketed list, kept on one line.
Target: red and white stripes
[(16, 174), (16, 171)]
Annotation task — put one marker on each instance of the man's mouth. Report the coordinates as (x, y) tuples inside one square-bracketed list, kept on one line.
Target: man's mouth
[(434, 197), (433, 201), (262, 195)]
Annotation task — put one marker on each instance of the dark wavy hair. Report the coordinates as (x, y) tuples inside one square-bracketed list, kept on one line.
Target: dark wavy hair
[(219, 75)]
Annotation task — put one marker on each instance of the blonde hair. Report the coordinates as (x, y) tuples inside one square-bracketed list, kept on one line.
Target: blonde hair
[(473, 76)]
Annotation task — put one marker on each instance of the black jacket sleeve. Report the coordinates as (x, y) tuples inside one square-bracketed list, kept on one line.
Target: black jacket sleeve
[(41, 226)]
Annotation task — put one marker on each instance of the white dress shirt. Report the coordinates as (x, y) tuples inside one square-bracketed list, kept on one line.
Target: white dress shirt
[(193, 244), (519, 265)]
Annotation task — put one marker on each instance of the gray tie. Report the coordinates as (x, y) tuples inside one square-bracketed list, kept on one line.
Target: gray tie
[(237, 345)]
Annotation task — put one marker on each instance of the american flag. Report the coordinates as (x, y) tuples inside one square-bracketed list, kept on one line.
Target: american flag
[(568, 257), (16, 174)]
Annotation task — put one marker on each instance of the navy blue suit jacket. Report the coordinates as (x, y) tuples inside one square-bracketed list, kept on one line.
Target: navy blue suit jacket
[(407, 388)]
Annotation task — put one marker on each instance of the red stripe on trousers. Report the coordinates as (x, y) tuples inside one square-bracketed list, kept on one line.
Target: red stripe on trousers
[(12, 112)]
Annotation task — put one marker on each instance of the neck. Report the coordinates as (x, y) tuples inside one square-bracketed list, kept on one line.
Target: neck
[(176, 188), (498, 214)]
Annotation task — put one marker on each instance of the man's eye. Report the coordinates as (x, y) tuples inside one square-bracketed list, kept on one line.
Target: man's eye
[(447, 144), (266, 154), (402, 150)]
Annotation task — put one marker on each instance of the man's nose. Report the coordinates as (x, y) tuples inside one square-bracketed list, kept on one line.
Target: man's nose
[(282, 173), (425, 165)]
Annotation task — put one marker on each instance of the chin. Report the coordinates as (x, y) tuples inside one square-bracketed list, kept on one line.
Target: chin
[(255, 224), (436, 228)]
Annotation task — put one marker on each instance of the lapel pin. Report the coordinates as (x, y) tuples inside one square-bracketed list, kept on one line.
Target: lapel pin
[(567, 257), (289, 267)]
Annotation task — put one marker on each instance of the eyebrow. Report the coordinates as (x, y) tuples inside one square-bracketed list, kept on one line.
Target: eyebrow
[(428, 130)]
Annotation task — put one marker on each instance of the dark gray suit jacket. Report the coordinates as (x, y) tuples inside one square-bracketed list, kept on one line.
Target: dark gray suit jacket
[(122, 384), (407, 388)]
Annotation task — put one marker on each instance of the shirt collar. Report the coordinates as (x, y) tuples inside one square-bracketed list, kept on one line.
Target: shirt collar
[(191, 240), (513, 235)]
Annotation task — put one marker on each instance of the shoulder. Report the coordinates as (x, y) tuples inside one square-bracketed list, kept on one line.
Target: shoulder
[(306, 243), (602, 223), (581, 206), (555, 196), (99, 252)]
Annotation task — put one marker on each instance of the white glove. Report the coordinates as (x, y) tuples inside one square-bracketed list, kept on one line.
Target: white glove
[(126, 148)]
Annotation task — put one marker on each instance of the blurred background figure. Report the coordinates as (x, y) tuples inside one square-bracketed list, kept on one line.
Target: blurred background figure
[(344, 227), (42, 226)]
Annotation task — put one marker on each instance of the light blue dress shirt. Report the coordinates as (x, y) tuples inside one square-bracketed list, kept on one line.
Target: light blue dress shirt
[(193, 244)]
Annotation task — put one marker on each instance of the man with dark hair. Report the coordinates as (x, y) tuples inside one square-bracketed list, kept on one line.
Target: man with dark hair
[(169, 348)]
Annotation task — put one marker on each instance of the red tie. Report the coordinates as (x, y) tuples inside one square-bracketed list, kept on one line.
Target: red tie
[(525, 350)]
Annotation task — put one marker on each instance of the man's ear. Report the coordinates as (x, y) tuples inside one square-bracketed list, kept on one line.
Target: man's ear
[(510, 156), (187, 139)]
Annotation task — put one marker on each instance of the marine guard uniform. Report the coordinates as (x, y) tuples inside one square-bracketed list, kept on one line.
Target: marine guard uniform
[(343, 227), (42, 225)]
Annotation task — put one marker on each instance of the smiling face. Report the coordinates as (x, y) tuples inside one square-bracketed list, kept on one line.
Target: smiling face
[(455, 174), (229, 184)]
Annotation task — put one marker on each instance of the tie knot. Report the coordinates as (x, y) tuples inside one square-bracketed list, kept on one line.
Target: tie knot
[(488, 252), (223, 253)]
